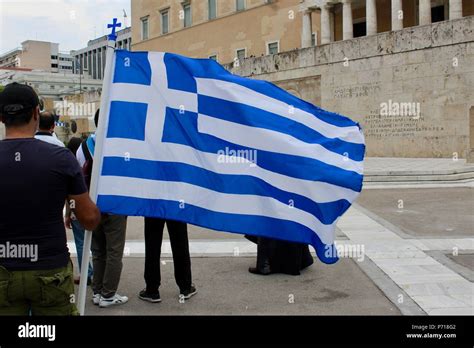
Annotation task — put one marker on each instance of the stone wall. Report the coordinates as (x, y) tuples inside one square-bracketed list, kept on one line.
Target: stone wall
[(411, 90)]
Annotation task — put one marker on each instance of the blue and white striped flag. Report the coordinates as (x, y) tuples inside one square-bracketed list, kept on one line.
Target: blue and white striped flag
[(186, 140)]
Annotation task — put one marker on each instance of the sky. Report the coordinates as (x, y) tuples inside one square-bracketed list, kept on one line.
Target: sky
[(71, 23)]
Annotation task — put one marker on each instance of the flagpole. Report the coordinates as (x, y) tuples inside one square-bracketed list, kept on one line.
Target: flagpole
[(97, 167)]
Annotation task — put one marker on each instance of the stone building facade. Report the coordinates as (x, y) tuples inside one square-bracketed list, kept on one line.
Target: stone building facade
[(412, 90), (90, 61), (404, 69), (230, 29), (219, 29), (38, 55)]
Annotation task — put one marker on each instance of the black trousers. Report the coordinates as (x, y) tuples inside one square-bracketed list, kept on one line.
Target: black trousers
[(179, 246)]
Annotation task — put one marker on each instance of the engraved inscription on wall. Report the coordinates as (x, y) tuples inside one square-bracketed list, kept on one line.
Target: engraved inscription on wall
[(376, 126), (356, 91)]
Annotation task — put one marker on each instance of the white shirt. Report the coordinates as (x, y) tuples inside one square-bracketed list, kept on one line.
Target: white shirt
[(80, 156), (50, 139)]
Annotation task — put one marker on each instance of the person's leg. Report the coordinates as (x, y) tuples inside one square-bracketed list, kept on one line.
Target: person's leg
[(153, 239), (180, 247), (79, 233), (51, 292), (115, 229), (306, 257), (98, 256), (12, 289), (263, 257)]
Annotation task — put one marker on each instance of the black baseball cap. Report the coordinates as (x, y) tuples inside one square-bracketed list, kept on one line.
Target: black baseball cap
[(17, 98)]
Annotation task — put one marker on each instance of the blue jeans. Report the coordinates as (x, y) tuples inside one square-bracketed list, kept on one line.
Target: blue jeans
[(78, 232)]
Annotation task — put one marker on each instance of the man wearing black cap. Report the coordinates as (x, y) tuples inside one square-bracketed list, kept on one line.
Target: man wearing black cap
[(36, 178)]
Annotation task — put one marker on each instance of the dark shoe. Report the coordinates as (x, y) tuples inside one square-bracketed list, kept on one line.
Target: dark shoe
[(153, 297), (187, 294), (255, 270), (263, 266)]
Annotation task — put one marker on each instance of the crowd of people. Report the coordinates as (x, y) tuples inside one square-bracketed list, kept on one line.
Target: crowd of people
[(44, 187)]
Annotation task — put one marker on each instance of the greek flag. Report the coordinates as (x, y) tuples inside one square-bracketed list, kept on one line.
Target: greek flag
[(187, 140)]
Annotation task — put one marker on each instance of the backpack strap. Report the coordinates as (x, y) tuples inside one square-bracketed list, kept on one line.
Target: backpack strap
[(85, 150)]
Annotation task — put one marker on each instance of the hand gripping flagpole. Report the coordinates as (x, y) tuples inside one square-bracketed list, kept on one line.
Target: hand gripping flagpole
[(97, 167)]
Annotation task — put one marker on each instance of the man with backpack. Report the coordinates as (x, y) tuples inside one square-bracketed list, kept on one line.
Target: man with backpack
[(36, 275)]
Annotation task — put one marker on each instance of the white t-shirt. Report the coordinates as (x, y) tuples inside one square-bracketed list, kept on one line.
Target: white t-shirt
[(49, 139), (80, 156)]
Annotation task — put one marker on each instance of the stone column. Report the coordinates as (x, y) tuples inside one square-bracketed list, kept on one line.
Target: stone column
[(96, 65), (104, 57), (470, 151), (425, 12), (455, 9), (397, 23), (332, 24), (371, 17), (92, 67), (96, 62), (347, 26), (325, 25), (306, 29)]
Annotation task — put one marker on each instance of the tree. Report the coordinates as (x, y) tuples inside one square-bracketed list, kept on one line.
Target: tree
[(1, 88)]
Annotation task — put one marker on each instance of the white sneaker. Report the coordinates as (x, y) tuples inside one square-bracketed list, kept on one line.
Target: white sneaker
[(96, 299), (112, 301)]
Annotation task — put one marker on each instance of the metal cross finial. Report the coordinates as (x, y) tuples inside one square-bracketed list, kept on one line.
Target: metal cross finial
[(114, 25)]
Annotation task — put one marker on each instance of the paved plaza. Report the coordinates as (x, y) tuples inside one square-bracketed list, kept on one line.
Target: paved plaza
[(407, 250)]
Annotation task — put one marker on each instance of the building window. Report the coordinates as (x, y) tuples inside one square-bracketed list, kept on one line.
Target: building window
[(164, 22), (273, 47), (187, 15), (240, 5), (144, 28), (213, 57), (54, 65), (241, 54), (437, 14), (360, 28), (212, 5), (54, 57), (314, 39)]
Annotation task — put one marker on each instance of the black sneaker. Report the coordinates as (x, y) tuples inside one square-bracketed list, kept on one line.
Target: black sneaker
[(153, 297), (187, 294)]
